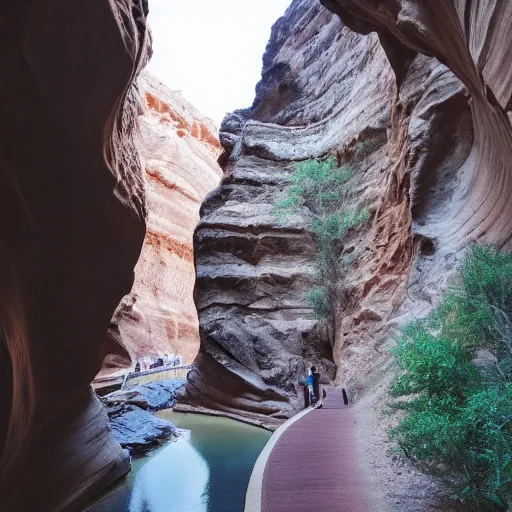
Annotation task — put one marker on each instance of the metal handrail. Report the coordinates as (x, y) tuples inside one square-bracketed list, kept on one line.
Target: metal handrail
[(159, 369)]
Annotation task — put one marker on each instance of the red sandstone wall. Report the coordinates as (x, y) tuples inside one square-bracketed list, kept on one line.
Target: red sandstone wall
[(180, 147)]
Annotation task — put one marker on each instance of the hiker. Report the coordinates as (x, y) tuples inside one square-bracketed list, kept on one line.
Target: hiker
[(304, 382), (315, 374), (137, 367), (309, 383)]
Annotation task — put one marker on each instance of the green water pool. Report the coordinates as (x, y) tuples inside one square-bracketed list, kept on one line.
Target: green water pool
[(205, 471)]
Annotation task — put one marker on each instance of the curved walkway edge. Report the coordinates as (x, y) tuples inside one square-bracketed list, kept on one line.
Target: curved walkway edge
[(313, 462), (253, 496)]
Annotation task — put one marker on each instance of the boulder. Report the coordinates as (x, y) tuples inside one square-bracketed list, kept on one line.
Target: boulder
[(137, 430), (153, 396)]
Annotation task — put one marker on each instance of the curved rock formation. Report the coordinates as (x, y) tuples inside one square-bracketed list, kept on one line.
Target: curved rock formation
[(257, 329), (180, 147), (465, 200), (472, 39), (72, 212), (413, 132)]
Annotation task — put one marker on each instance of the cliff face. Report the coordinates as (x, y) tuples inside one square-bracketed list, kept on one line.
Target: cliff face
[(257, 329), (461, 201), (403, 121), (72, 212), (180, 148)]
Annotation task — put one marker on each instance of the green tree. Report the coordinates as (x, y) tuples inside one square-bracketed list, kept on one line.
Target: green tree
[(320, 190), (454, 384)]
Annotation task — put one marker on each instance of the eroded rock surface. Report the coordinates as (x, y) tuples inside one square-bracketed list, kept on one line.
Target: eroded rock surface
[(323, 89), (428, 144), (72, 212), (154, 396), (137, 430), (180, 147), (459, 135)]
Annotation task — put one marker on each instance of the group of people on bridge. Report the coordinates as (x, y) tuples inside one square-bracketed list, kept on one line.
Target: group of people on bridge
[(165, 360)]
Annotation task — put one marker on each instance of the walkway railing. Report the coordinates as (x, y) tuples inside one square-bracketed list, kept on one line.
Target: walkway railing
[(151, 375), (160, 373)]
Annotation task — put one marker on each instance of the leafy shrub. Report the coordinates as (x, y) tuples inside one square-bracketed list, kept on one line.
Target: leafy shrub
[(369, 144), (457, 411), (319, 185), (320, 190), (319, 299)]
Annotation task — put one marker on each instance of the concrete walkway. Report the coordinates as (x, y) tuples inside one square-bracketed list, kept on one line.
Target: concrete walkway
[(313, 465)]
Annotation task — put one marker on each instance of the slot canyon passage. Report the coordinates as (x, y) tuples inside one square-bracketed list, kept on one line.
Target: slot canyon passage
[(102, 172)]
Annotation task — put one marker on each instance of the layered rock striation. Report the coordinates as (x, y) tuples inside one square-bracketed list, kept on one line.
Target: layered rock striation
[(407, 125), (472, 40), (72, 210), (258, 330), (180, 147), (461, 178)]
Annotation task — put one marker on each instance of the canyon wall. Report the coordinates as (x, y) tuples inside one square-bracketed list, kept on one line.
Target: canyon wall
[(324, 89), (72, 222), (453, 203), (180, 147), (405, 124)]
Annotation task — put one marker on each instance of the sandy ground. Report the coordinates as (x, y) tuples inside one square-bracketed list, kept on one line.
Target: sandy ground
[(397, 486)]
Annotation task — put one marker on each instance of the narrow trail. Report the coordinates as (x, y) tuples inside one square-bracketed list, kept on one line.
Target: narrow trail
[(314, 464)]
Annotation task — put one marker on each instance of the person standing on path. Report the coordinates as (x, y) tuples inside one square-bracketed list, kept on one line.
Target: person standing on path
[(309, 383), (315, 374), (309, 388), (303, 381)]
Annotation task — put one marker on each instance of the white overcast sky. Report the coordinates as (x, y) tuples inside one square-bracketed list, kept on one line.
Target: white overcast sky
[(211, 50)]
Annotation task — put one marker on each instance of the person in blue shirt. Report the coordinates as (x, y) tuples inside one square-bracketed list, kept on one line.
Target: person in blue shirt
[(316, 383), (309, 383)]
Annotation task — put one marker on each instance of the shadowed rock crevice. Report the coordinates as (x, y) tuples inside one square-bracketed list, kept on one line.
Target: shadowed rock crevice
[(72, 207)]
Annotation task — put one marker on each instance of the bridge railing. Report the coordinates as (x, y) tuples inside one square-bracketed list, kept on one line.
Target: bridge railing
[(159, 369), (153, 374), (160, 373)]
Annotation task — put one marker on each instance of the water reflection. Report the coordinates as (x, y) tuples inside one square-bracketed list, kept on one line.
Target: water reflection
[(204, 471), (161, 486)]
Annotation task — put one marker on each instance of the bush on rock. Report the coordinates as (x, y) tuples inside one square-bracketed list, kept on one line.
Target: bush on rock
[(320, 191)]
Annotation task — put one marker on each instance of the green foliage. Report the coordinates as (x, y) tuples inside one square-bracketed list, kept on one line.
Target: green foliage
[(370, 144), (361, 148), (431, 365), (457, 412), (317, 185), (319, 299), (319, 190)]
